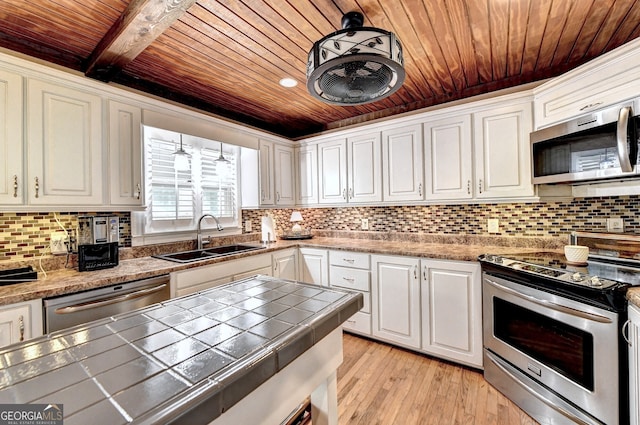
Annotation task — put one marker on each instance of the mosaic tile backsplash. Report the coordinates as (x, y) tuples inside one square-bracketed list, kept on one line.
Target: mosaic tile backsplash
[(26, 235)]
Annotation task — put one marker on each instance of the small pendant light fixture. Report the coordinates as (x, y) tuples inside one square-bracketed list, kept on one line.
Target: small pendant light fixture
[(221, 158), (181, 158), (355, 65)]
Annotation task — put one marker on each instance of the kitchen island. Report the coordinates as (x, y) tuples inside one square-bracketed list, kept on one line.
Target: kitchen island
[(246, 352)]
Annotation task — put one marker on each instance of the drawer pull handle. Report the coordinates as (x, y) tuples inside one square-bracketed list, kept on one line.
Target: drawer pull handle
[(349, 279), (348, 260), (37, 187), (15, 185)]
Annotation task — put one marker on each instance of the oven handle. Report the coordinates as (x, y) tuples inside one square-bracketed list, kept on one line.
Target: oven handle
[(621, 140), (533, 392), (551, 305), (107, 301)]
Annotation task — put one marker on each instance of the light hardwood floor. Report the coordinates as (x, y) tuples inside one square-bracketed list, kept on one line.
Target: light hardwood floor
[(386, 385)]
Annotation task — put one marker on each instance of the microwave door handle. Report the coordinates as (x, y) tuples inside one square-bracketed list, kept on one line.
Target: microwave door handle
[(549, 304), (621, 139), (111, 300)]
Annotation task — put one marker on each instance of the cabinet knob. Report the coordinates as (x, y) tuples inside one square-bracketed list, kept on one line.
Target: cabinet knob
[(15, 185), (37, 187)]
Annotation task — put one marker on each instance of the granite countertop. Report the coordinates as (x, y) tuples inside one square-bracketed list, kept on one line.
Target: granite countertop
[(204, 351), (66, 281)]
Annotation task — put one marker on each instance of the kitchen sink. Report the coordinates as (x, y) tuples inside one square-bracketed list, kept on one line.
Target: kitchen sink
[(207, 253)]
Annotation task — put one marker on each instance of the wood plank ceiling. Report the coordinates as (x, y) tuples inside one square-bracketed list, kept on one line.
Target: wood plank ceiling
[(227, 56)]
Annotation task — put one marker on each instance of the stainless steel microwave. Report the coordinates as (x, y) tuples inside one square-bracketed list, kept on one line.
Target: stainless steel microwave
[(597, 146)]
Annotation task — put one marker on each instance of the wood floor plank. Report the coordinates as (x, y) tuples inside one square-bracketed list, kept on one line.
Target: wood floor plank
[(379, 384)]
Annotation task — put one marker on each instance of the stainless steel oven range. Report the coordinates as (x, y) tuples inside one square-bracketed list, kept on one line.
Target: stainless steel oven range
[(552, 330)]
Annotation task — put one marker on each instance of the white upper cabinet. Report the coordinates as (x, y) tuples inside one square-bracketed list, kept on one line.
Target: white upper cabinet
[(11, 139), (402, 164), (448, 158), (501, 149), (606, 80), (307, 173), (364, 168), (125, 154), (267, 185), (332, 166), (284, 172), (64, 140)]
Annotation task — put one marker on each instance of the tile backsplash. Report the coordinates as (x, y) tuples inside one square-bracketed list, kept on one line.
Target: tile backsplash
[(27, 235), (544, 219)]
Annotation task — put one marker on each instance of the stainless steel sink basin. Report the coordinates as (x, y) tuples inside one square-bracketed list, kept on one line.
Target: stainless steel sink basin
[(207, 253)]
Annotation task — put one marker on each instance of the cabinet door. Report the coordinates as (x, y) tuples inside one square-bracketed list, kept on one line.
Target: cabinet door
[(20, 322), (502, 157), (332, 166), (267, 185), (125, 154), (396, 300), (307, 172), (11, 139), (364, 168), (402, 164), (284, 171), (448, 152), (64, 128), (314, 266), (634, 365), (452, 311), (285, 264)]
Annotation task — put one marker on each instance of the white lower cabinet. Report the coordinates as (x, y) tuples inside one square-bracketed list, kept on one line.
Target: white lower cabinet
[(634, 364), (396, 300), (20, 322), (186, 282), (352, 270), (285, 264), (314, 266), (451, 303)]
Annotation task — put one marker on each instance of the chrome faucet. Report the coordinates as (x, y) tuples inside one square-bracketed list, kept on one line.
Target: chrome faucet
[(219, 227)]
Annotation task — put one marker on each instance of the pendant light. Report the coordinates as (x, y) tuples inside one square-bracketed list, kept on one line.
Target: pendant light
[(221, 158), (355, 65), (181, 158)]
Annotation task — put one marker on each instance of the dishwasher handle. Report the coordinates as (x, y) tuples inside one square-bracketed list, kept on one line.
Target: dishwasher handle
[(111, 300)]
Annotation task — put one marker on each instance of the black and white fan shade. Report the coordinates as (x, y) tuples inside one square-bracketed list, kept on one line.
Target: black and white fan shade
[(355, 65)]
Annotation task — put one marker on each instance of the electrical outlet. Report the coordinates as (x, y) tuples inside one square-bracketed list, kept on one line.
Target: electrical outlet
[(59, 242), (615, 225), (493, 225), (364, 224), (247, 226)]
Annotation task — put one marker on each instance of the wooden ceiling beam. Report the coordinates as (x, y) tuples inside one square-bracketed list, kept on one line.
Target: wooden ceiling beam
[(138, 26)]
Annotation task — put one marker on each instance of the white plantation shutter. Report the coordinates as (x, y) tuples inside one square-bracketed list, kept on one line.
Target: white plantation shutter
[(218, 184), (171, 191), (176, 199)]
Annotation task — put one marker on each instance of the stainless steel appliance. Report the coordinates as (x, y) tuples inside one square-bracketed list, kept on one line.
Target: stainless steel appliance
[(599, 145), (75, 309), (98, 229), (552, 331)]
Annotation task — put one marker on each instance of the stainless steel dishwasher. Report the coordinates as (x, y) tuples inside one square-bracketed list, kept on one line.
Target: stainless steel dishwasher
[(82, 307)]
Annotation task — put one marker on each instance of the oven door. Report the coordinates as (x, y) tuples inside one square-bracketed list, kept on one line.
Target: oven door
[(568, 347)]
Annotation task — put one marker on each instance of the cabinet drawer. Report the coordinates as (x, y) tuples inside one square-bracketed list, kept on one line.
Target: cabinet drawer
[(349, 259), (359, 322), (344, 277)]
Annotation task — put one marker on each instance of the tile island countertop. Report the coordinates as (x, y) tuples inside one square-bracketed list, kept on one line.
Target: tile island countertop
[(66, 281), (186, 360)]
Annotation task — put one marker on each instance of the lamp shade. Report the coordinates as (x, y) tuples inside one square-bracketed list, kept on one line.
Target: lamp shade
[(296, 216)]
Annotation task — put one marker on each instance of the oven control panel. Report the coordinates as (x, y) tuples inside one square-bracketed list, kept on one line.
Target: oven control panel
[(566, 276)]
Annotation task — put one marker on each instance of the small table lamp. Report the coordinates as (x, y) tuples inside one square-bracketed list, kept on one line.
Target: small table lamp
[(295, 218)]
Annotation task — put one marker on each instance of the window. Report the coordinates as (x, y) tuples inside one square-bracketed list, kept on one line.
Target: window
[(177, 198)]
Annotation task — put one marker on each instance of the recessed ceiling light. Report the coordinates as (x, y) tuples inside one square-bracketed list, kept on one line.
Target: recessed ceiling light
[(288, 82)]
